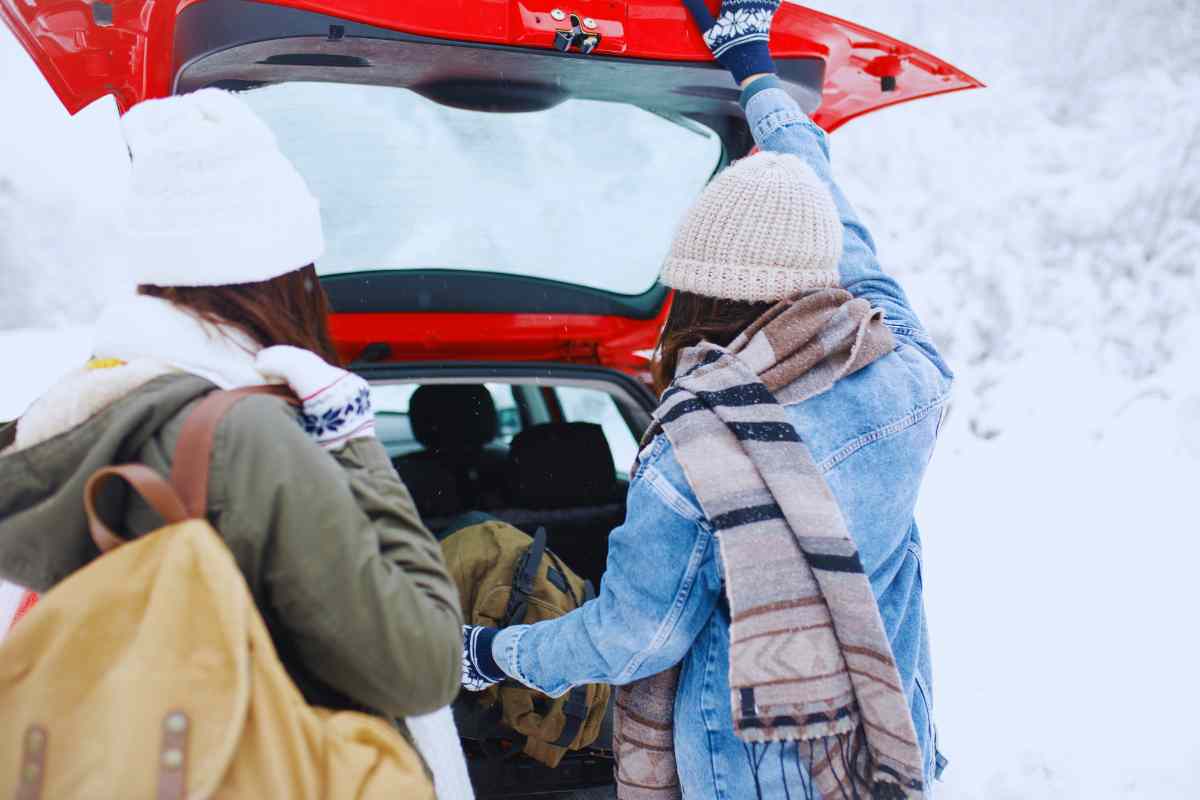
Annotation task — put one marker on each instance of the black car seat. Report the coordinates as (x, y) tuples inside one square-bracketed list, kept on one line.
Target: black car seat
[(562, 476), (459, 469), (434, 489)]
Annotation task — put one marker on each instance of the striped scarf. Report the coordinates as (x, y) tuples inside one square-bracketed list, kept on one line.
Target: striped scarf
[(809, 659)]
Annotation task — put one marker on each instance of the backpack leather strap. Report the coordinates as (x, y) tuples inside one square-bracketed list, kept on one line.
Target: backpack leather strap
[(172, 758), (186, 495), (193, 451), (157, 493), (33, 764)]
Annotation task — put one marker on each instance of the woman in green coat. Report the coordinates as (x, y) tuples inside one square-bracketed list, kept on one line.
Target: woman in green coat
[(223, 233)]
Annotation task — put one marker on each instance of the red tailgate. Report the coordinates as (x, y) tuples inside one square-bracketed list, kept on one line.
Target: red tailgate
[(615, 342), (648, 55), (127, 48)]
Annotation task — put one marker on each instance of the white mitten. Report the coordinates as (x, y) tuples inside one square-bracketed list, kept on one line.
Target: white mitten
[(336, 404)]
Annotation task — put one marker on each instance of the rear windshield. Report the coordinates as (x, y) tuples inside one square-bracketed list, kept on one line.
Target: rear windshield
[(585, 192)]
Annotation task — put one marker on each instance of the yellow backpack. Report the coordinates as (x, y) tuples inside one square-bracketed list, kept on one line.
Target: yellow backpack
[(150, 674)]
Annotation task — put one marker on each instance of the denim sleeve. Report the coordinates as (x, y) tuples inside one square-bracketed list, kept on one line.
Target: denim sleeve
[(780, 125), (660, 587)]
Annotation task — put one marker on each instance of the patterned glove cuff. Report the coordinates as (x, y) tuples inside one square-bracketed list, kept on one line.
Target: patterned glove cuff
[(479, 646), (759, 85), (339, 412), (746, 60)]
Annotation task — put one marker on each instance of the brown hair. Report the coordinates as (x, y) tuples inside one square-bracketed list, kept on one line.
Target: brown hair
[(291, 309), (694, 319)]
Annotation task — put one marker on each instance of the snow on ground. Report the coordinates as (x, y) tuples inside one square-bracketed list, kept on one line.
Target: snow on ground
[(1046, 228), (1059, 581)]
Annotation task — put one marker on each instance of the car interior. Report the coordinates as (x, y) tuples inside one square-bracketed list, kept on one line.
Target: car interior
[(533, 453), (532, 456)]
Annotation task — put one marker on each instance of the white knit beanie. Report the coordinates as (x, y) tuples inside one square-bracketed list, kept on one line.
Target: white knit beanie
[(765, 229), (213, 200)]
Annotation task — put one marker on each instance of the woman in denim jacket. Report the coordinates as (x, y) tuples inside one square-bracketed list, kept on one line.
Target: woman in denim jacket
[(663, 600)]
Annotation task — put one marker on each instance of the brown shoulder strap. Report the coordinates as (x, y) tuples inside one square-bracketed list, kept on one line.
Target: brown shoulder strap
[(193, 451), (186, 496), (157, 493), (33, 764)]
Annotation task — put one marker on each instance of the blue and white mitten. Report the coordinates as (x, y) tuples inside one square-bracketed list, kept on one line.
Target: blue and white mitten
[(335, 404), (479, 667), (739, 35)]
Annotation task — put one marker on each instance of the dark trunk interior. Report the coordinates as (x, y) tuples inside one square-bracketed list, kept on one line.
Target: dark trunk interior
[(465, 462)]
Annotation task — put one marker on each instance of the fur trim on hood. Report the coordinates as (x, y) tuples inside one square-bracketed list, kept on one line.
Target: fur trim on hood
[(79, 396), (152, 337)]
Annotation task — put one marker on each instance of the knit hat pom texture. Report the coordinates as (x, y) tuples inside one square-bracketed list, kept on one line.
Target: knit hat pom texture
[(213, 200), (763, 230)]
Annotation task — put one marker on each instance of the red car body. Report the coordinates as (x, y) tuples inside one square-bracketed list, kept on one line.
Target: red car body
[(130, 49)]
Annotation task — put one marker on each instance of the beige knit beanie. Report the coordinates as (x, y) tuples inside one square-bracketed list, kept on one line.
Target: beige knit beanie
[(765, 229)]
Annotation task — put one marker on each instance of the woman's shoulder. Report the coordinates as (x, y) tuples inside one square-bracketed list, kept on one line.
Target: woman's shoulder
[(260, 452), (260, 416), (265, 427), (659, 471)]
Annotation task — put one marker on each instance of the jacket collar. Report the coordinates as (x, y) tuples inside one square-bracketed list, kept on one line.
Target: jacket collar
[(154, 337), (77, 397)]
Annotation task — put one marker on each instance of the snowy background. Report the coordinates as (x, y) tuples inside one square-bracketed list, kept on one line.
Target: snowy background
[(1047, 229)]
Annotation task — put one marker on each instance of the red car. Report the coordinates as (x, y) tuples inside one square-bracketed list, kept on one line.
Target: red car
[(499, 181)]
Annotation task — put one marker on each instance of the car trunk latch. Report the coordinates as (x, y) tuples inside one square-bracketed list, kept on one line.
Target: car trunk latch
[(577, 38)]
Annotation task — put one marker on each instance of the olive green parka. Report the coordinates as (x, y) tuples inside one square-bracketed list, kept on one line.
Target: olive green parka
[(351, 584)]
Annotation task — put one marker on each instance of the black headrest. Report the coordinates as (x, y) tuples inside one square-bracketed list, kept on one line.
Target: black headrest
[(453, 417), (558, 465), (433, 487)]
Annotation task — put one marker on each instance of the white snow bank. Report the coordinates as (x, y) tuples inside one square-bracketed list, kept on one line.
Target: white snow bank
[(1060, 591), (62, 184)]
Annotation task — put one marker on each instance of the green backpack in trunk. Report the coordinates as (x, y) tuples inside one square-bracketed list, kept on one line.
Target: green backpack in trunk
[(506, 578)]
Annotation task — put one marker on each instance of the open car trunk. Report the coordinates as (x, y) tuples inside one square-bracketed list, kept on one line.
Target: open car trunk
[(546, 446), (484, 56)]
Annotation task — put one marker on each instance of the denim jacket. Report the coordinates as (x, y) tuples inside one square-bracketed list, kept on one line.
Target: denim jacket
[(661, 599)]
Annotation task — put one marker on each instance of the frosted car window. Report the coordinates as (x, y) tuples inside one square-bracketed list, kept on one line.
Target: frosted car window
[(585, 192)]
